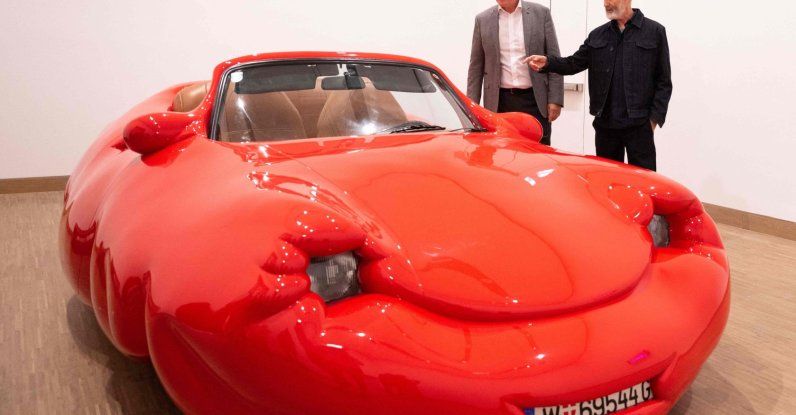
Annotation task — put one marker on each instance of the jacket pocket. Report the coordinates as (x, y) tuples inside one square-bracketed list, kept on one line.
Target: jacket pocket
[(599, 54), (645, 56), (596, 43), (646, 51), (647, 45)]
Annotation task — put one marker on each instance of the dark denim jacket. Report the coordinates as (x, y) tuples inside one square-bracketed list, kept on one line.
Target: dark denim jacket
[(647, 71)]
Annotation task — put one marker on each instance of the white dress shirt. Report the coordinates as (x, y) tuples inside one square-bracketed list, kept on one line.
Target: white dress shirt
[(513, 73)]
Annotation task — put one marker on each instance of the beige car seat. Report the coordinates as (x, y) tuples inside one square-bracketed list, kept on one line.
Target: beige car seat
[(260, 117), (359, 112)]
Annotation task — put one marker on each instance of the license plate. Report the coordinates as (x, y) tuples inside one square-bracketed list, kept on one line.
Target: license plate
[(614, 402)]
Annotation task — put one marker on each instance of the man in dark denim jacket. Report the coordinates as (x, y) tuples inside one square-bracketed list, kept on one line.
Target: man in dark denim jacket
[(630, 81)]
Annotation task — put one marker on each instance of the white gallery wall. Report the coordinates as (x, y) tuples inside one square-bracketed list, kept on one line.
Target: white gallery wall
[(69, 68), (730, 135)]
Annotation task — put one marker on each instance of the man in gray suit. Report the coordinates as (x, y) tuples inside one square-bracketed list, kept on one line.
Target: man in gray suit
[(503, 36)]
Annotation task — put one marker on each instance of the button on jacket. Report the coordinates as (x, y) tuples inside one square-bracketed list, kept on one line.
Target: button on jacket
[(645, 67)]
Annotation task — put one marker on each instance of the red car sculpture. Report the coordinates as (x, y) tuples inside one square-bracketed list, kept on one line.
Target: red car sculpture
[(349, 234)]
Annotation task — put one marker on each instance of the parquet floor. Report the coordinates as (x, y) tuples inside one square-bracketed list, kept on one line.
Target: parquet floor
[(54, 359)]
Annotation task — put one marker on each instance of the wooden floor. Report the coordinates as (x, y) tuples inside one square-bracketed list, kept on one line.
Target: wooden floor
[(54, 359)]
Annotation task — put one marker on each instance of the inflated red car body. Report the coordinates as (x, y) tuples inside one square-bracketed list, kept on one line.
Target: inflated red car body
[(497, 275)]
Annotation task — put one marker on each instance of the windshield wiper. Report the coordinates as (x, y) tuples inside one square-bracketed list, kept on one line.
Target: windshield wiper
[(470, 130), (412, 126)]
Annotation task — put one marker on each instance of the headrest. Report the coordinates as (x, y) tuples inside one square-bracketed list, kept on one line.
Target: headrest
[(190, 97)]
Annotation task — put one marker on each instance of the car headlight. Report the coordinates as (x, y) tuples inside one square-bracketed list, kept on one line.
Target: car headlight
[(334, 277), (659, 230)]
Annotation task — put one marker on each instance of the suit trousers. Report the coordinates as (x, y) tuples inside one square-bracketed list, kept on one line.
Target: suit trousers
[(639, 142), (523, 100)]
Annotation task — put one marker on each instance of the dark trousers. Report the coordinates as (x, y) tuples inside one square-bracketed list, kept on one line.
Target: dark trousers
[(638, 141), (522, 100)]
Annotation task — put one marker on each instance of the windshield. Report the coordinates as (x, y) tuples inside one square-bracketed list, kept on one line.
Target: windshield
[(288, 101)]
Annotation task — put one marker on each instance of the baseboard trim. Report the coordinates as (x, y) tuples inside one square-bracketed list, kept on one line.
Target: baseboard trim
[(33, 184), (753, 222)]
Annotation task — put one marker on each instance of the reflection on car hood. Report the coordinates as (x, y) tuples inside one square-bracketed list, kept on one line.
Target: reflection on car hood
[(489, 227)]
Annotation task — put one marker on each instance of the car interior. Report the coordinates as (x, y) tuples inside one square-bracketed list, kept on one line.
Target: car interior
[(306, 113), (308, 101)]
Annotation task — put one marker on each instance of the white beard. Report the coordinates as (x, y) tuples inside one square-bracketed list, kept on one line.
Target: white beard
[(616, 13)]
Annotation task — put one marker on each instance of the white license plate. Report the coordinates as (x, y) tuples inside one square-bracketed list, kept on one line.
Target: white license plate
[(614, 402)]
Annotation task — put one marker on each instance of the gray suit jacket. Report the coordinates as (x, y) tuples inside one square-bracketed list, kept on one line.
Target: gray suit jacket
[(540, 39)]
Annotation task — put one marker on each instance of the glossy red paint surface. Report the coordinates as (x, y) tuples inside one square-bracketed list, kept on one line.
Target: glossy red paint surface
[(497, 273)]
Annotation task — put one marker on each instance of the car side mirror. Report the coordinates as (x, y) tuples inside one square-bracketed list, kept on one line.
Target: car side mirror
[(528, 126), (152, 132)]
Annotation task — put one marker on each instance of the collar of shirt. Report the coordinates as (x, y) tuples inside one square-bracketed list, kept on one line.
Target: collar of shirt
[(637, 20), (519, 8)]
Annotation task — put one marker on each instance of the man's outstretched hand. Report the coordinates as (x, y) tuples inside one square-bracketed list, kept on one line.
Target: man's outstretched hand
[(536, 62)]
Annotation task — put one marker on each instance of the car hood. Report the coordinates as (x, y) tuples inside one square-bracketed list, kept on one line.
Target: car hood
[(478, 226)]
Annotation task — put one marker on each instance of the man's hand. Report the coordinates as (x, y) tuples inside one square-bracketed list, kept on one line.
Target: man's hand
[(653, 125), (536, 62), (553, 111)]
